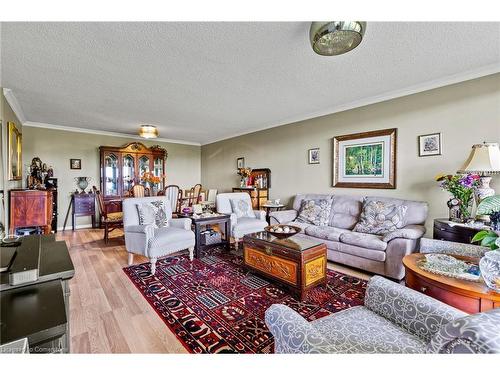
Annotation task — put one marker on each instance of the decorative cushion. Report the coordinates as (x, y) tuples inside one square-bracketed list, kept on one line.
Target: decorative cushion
[(379, 217), (242, 208), (153, 213), (115, 216), (315, 211)]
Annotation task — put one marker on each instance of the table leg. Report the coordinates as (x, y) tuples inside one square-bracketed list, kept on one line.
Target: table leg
[(228, 234), (197, 246)]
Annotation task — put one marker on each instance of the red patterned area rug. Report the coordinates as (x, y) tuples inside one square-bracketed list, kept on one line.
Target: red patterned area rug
[(214, 305)]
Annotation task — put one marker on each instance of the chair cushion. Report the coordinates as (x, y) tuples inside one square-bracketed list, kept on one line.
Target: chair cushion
[(170, 238), (369, 241), (359, 330), (379, 217), (315, 211), (325, 233), (246, 225), (242, 208), (153, 213), (115, 216)]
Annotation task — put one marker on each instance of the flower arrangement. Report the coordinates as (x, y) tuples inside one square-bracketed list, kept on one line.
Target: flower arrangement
[(150, 178), (244, 172), (461, 187)]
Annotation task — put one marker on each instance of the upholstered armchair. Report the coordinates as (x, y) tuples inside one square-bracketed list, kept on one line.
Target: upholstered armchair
[(155, 242), (394, 319), (255, 221)]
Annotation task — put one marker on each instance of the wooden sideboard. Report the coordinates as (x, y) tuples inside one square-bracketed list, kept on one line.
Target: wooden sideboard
[(30, 208)]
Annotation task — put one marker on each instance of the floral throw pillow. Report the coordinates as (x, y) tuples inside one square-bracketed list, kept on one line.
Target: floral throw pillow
[(153, 213), (242, 208), (315, 211), (380, 217)]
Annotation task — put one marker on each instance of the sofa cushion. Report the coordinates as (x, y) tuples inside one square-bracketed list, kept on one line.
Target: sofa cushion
[(345, 211), (360, 252), (366, 240), (315, 211), (359, 330), (380, 217), (325, 233)]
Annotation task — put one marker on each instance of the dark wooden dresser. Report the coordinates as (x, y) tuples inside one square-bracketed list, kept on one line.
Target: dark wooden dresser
[(30, 208), (83, 205), (455, 232)]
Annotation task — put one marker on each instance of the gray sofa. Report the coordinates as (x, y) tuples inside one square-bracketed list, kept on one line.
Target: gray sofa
[(394, 319), (380, 254)]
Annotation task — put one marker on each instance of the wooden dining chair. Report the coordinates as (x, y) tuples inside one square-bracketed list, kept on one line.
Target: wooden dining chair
[(139, 191), (195, 195), (109, 218), (174, 194)]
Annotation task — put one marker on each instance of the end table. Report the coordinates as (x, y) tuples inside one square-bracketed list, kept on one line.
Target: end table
[(269, 207)]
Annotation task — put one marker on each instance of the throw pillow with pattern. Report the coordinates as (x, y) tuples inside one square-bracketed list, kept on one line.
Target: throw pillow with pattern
[(153, 213), (380, 217), (315, 211), (242, 208)]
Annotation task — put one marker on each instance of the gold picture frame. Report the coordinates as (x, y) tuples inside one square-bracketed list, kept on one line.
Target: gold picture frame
[(15, 152), (365, 160)]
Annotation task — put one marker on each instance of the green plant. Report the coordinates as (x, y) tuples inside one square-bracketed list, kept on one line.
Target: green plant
[(487, 238), (489, 205)]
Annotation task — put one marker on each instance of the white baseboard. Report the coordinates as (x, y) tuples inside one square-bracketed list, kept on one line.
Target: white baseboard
[(78, 226)]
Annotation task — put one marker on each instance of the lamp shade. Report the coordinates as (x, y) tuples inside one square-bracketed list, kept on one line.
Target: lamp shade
[(148, 131), (484, 159)]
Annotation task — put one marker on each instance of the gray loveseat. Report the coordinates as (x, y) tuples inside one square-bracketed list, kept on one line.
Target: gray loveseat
[(380, 254), (394, 319)]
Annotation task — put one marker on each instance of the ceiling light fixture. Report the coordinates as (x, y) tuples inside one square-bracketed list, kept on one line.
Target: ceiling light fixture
[(336, 37), (148, 131)]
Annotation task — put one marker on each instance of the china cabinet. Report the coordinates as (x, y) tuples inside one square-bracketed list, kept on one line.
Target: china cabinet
[(122, 167)]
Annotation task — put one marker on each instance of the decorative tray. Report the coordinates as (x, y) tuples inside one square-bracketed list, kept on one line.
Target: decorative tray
[(447, 265)]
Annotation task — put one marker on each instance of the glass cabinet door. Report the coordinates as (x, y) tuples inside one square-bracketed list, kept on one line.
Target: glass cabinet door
[(128, 172), (143, 165), (158, 170), (111, 174)]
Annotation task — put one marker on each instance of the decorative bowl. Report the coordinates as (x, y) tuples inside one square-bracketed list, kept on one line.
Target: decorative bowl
[(280, 230)]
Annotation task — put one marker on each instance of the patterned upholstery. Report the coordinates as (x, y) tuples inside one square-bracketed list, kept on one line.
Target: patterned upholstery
[(379, 217), (428, 245), (479, 333), (315, 211), (395, 319)]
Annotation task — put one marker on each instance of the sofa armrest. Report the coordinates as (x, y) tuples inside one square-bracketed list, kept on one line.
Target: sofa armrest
[(292, 333), (421, 315), (478, 333), (183, 223), (261, 215), (409, 232), (281, 217)]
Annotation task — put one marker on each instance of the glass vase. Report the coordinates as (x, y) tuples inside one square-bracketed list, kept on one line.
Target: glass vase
[(490, 269), (465, 211)]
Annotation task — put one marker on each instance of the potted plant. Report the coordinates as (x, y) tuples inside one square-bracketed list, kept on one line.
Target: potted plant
[(461, 187), (490, 263)]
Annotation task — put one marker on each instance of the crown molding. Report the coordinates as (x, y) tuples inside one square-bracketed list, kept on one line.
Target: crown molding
[(14, 104), (426, 86), (104, 132)]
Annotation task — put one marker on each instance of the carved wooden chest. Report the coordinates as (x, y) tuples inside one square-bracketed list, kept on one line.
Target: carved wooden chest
[(298, 263)]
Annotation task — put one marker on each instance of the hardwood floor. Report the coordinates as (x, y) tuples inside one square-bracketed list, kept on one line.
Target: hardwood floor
[(108, 314)]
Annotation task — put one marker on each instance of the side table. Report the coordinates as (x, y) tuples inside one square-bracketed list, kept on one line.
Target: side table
[(199, 222), (269, 208), (469, 296), (455, 232)]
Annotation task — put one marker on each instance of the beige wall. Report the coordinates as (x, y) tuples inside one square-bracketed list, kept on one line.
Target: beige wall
[(56, 147), (465, 113), (7, 115)]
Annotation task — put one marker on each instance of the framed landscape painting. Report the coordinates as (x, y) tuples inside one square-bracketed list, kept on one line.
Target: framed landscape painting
[(365, 160)]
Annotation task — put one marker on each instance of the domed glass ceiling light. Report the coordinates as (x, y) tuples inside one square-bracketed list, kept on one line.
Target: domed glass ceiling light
[(336, 37), (148, 131)]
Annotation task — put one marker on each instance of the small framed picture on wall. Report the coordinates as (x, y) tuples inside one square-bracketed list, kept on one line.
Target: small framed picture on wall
[(429, 144), (313, 156), (75, 163), (240, 163)]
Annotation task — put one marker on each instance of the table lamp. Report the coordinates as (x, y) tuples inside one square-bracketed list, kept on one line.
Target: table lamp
[(484, 160)]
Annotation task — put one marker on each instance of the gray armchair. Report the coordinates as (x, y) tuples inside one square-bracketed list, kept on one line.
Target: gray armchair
[(243, 225), (155, 242), (394, 319)]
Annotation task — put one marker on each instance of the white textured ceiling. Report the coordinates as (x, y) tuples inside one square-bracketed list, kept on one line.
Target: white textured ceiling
[(202, 82)]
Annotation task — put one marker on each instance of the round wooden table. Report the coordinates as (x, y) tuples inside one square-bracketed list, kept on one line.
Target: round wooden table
[(469, 296)]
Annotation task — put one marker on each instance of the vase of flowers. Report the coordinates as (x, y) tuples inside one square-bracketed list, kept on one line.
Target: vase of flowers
[(461, 187), (152, 181), (244, 174)]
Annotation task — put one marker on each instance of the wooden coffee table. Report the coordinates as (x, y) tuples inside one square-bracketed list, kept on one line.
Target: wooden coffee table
[(469, 296), (298, 263)]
